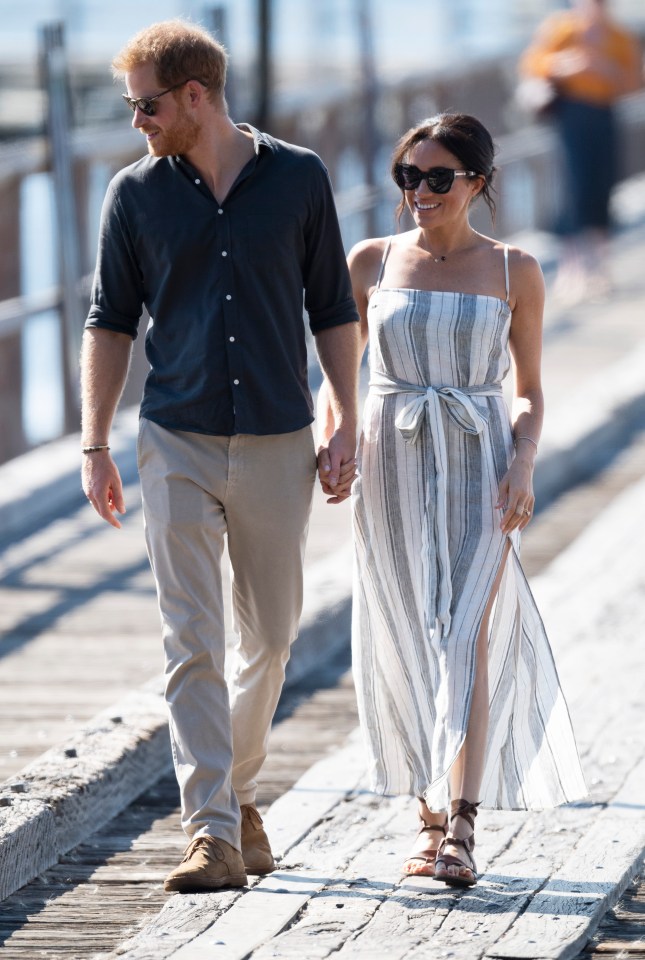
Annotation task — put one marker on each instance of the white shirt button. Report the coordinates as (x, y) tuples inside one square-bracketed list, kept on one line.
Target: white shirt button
[(220, 211), (198, 181), (228, 296), (224, 253), (232, 339), (236, 382)]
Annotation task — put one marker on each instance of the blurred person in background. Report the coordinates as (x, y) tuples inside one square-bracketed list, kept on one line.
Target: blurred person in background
[(220, 232), (459, 699), (590, 62)]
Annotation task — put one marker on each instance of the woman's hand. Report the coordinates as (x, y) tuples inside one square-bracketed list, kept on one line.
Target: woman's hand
[(341, 489), (516, 497)]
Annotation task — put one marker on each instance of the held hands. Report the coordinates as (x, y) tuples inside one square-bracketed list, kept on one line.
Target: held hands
[(102, 486), (516, 498), (337, 466)]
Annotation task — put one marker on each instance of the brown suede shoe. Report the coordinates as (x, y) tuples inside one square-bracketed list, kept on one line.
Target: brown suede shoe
[(256, 850), (209, 864)]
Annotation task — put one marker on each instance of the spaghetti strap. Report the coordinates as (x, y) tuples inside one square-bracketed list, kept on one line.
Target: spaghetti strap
[(508, 289), (383, 260)]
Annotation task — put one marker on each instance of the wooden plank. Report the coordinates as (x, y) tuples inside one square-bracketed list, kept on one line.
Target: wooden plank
[(104, 775), (336, 913), (585, 887), (272, 904), (307, 860), (420, 910), (512, 871), (258, 916), (376, 912), (317, 792), (181, 920)]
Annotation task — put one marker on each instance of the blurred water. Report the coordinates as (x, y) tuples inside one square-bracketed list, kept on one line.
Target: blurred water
[(41, 348)]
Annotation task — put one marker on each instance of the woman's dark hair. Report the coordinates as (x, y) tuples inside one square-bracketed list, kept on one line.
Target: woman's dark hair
[(465, 137)]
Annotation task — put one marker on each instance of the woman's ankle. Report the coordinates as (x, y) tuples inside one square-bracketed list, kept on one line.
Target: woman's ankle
[(460, 828), (462, 818), (431, 817)]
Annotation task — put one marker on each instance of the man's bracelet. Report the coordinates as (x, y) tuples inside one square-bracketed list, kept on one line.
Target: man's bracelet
[(95, 448)]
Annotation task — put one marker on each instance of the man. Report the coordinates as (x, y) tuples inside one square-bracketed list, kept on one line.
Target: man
[(218, 232)]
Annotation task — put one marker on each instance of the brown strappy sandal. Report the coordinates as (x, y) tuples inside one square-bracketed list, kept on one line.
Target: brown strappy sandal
[(427, 855), (467, 810)]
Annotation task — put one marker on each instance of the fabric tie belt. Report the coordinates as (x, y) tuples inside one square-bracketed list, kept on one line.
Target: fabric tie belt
[(426, 406)]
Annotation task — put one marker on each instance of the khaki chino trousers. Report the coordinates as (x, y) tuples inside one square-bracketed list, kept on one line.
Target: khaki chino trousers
[(256, 492)]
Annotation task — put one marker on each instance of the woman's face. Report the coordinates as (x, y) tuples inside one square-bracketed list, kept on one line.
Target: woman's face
[(431, 209)]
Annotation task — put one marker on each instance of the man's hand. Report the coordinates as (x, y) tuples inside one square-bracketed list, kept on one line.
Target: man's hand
[(337, 465), (102, 485)]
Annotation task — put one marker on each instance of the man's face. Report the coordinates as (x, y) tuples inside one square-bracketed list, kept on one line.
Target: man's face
[(173, 129)]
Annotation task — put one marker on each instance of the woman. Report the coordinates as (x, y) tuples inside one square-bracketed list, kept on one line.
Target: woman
[(591, 62), (458, 695)]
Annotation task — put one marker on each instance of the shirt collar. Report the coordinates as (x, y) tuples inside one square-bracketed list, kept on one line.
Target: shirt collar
[(259, 139)]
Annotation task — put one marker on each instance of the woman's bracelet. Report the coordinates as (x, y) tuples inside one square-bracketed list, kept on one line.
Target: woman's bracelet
[(95, 447), (530, 440)]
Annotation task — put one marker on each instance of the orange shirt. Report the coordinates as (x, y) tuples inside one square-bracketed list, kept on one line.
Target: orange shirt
[(608, 62)]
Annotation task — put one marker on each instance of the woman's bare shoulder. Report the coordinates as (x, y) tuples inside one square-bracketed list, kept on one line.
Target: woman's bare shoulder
[(366, 251), (524, 264), (364, 260), (518, 259)]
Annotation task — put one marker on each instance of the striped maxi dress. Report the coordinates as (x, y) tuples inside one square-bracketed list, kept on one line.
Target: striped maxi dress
[(436, 441)]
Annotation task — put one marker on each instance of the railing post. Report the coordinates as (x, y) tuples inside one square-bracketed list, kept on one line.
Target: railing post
[(368, 98), (265, 72), (55, 82)]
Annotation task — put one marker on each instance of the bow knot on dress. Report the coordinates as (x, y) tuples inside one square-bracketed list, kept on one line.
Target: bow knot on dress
[(425, 408)]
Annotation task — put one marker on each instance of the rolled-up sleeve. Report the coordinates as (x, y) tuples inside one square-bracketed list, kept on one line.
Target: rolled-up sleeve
[(117, 291), (328, 291)]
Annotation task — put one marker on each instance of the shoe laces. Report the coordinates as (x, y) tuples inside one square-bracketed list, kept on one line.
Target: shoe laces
[(210, 845), (249, 812)]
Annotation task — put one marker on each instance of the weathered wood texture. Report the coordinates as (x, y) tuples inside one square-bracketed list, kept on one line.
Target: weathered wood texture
[(547, 879), (106, 890), (103, 891), (109, 887), (47, 811), (622, 933)]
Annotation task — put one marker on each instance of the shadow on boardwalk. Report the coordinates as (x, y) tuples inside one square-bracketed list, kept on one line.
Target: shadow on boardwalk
[(81, 630)]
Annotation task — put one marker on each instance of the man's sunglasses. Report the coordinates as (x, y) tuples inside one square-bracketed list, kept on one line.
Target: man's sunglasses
[(439, 179), (146, 104)]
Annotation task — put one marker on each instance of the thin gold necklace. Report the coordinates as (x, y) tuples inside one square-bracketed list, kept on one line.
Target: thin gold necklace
[(442, 258)]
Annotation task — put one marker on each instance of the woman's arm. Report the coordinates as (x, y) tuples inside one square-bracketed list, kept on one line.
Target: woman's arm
[(360, 261), (516, 497)]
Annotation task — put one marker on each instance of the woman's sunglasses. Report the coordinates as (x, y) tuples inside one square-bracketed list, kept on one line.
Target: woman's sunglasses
[(146, 104), (439, 179)]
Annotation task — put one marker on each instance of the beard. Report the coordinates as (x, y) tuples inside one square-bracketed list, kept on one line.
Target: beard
[(178, 139)]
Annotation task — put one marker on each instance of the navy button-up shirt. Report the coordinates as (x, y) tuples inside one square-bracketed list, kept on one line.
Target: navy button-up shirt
[(223, 284)]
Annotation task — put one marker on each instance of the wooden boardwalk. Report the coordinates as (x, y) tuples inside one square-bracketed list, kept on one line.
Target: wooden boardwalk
[(80, 629), (337, 889), (548, 878)]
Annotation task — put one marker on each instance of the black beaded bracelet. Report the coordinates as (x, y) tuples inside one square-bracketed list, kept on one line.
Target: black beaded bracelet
[(94, 449)]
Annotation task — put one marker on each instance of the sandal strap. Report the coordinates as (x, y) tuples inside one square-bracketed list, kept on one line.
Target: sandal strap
[(424, 827), (467, 843), (465, 809), (449, 860)]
